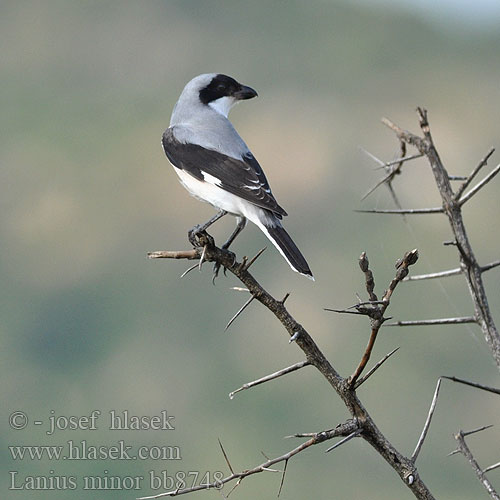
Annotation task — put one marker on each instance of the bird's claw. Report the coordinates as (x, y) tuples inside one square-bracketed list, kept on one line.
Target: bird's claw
[(218, 265), (216, 272), (193, 235), (199, 238)]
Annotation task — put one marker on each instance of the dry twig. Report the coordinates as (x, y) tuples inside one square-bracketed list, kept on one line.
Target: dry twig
[(272, 376), (452, 206), (427, 422), (362, 424), (464, 449), (341, 430), (377, 308), (344, 387)]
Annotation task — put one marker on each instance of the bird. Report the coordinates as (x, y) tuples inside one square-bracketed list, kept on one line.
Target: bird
[(216, 166)]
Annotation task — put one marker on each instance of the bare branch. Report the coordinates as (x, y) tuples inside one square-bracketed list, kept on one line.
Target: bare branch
[(478, 429), (301, 435), (489, 266), (259, 253), (427, 423), (341, 430), (385, 180), (202, 258), (365, 358), (396, 170), (430, 276), (175, 254), (272, 376), (392, 169), (433, 408), (370, 432), (367, 308), (402, 160), (283, 300), (452, 209), (376, 313), (361, 423), (479, 185), (406, 211), (472, 175), (283, 477), (441, 321), (408, 137), (473, 384), (240, 310), (188, 270), (464, 449), (225, 456), (345, 311), (373, 157), (236, 484), (354, 434), (370, 372), (491, 467)]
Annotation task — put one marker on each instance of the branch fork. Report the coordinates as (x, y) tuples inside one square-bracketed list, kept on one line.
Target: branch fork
[(361, 424), (375, 308), (452, 203)]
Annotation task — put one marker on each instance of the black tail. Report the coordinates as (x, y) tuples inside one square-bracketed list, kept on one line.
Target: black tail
[(289, 250)]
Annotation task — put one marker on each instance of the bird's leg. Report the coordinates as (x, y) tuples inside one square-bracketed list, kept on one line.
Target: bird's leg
[(240, 224), (196, 230)]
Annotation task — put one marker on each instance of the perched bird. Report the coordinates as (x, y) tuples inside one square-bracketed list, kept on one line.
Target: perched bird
[(215, 165)]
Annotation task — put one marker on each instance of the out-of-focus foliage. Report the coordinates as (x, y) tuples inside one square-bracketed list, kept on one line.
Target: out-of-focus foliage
[(85, 191)]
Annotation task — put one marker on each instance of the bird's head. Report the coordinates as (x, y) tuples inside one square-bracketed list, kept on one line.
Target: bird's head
[(220, 92)]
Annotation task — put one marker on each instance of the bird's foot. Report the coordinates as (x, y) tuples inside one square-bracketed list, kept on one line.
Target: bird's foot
[(199, 238)]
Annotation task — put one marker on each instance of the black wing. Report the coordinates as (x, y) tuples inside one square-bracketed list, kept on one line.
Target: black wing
[(244, 177)]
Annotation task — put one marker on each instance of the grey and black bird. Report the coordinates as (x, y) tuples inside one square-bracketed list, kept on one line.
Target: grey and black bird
[(215, 165)]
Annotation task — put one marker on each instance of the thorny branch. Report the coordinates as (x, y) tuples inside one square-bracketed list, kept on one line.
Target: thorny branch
[(341, 430), (449, 272), (272, 376), (375, 309), (464, 449), (452, 204), (460, 436), (487, 388), (432, 409), (362, 423)]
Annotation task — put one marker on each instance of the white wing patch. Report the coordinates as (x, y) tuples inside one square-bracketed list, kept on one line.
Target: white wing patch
[(211, 179)]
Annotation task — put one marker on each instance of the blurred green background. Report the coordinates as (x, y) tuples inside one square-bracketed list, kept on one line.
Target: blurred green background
[(88, 323)]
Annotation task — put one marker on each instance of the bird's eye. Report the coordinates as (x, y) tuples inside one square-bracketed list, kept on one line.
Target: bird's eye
[(221, 87)]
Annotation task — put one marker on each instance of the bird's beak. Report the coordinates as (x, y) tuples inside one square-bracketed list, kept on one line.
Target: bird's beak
[(245, 93)]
